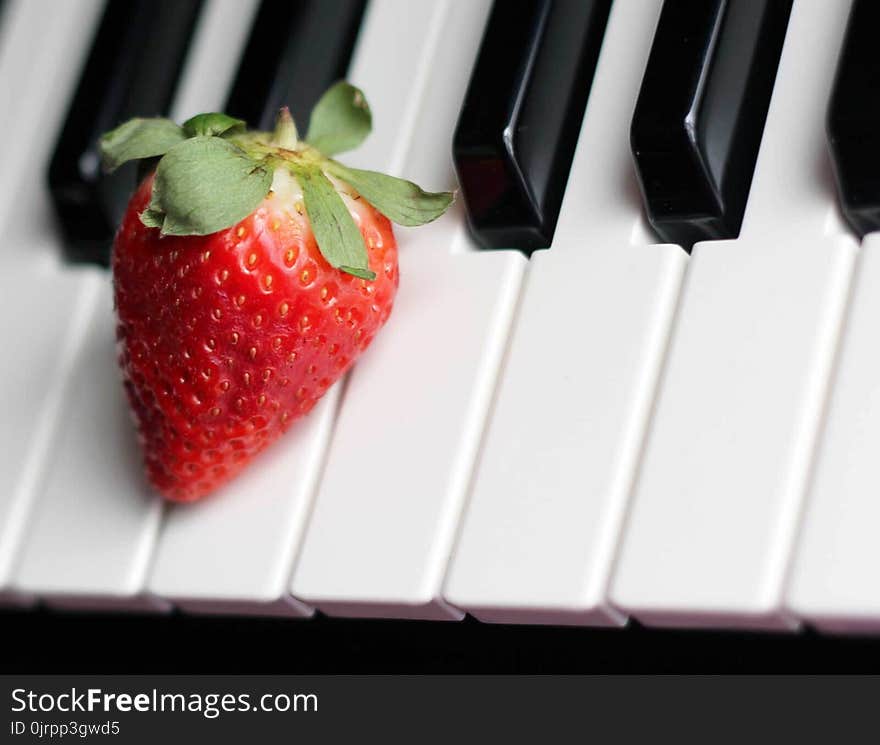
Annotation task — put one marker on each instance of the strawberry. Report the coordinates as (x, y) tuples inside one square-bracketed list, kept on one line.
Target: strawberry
[(250, 271)]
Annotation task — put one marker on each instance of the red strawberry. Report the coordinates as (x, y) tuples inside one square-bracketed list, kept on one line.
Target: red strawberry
[(236, 314)]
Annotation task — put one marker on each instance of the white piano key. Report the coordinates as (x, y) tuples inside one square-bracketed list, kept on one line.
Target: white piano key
[(20, 33), (90, 536), (234, 553), (90, 539), (50, 314), (39, 40), (727, 460), (382, 550), (834, 581), (399, 465), (221, 30), (542, 523), (394, 76)]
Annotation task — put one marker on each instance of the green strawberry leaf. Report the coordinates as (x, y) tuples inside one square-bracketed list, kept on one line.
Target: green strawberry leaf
[(339, 239), (203, 185), (213, 125), (152, 218), (340, 121), (136, 139), (400, 201)]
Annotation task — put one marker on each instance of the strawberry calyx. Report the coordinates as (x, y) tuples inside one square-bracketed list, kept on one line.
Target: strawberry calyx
[(213, 172)]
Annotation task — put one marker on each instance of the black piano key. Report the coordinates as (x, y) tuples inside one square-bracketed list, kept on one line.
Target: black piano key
[(854, 119), (521, 117), (132, 70), (700, 114), (296, 50)]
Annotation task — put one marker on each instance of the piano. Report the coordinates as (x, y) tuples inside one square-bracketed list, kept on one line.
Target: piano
[(634, 368)]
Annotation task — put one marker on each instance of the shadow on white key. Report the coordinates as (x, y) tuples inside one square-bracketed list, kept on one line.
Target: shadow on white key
[(550, 491), (92, 525), (415, 405), (44, 304), (835, 581), (234, 552), (727, 461)]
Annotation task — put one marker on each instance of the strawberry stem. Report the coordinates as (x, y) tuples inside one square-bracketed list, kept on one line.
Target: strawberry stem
[(285, 135)]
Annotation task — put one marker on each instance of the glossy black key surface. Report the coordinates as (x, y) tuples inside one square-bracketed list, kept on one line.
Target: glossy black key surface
[(701, 110), (132, 70), (854, 119), (521, 117), (296, 50)]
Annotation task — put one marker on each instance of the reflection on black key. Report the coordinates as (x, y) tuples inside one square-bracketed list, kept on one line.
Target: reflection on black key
[(296, 50), (700, 114), (854, 119), (132, 70), (521, 116)]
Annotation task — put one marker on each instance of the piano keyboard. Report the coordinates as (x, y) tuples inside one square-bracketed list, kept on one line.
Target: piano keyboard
[(634, 371)]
